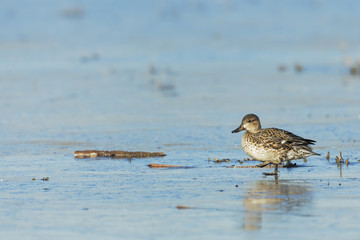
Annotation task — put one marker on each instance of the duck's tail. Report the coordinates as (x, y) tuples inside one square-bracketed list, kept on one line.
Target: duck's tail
[(314, 153), (304, 151)]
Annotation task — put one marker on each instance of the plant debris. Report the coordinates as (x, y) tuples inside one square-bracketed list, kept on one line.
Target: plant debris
[(339, 160), (116, 154), (282, 68), (221, 160), (355, 70), (327, 156), (298, 67), (181, 207), (158, 165)]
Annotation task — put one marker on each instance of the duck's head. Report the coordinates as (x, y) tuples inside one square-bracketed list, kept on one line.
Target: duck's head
[(250, 123)]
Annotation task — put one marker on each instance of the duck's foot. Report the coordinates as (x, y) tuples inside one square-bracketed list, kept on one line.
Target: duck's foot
[(274, 173), (289, 164), (264, 164), (271, 173)]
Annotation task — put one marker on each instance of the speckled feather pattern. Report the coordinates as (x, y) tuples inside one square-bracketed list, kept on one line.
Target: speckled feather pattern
[(275, 145), (272, 144)]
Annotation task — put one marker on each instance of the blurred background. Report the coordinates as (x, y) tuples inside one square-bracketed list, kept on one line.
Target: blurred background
[(81, 66)]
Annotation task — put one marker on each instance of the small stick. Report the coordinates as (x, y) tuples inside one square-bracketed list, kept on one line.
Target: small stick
[(181, 207), (158, 165), (116, 154), (340, 154)]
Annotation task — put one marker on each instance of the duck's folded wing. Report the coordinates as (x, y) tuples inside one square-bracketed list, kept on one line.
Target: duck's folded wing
[(284, 137)]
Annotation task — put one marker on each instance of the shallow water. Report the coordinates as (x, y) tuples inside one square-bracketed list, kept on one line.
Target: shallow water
[(175, 77)]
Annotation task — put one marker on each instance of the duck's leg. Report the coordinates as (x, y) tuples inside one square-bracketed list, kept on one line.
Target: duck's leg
[(289, 164), (275, 172)]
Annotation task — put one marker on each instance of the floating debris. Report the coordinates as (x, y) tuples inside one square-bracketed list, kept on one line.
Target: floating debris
[(282, 68), (221, 160), (354, 70), (327, 156), (347, 162), (298, 67), (45, 179), (116, 154), (158, 165), (182, 207), (339, 160), (241, 162), (33, 179)]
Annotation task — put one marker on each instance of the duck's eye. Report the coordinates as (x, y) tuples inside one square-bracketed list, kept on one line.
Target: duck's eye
[(249, 121)]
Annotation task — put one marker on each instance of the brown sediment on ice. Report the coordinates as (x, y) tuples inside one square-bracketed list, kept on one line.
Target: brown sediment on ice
[(181, 207), (268, 166), (116, 154), (221, 160), (158, 165)]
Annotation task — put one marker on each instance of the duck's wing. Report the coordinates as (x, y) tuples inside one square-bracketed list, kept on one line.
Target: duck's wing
[(285, 137), (270, 139)]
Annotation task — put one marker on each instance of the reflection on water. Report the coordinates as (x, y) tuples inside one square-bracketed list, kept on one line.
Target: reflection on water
[(273, 196)]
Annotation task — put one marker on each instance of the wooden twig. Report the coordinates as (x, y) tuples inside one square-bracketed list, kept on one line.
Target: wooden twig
[(116, 154), (158, 165), (181, 207)]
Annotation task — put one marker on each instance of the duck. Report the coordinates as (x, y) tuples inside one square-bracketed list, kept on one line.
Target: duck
[(272, 145)]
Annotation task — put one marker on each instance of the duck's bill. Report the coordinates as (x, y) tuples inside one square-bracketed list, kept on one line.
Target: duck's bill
[(239, 129)]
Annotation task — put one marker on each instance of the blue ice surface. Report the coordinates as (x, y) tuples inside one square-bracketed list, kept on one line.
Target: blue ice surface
[(177, 77)]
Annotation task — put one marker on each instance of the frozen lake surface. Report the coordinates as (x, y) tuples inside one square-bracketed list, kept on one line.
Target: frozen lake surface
[(176, 77)]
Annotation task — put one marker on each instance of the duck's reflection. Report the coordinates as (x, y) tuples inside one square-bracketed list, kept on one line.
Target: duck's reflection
[(273, 196)]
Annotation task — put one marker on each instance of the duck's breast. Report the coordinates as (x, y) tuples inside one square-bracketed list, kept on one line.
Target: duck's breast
[(254, 147)]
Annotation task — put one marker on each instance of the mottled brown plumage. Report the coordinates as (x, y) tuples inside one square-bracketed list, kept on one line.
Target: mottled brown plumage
[(272, 145)]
